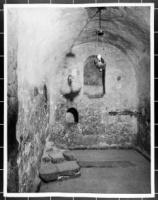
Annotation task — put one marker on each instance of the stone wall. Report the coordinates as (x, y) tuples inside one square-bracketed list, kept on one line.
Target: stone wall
[(143, 72), (96, 126), (12, 94), (28, 106), (144, 121), (32, 131), (144, 129)]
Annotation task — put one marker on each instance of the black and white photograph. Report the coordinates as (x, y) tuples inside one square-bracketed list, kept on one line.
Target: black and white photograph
[(79, 95)]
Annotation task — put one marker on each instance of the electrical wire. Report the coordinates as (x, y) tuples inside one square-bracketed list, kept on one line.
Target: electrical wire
[(83, 29)]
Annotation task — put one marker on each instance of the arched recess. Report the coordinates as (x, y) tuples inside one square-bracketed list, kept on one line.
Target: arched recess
[(94, 78), (72, 116), (121, 76), (120, 81)]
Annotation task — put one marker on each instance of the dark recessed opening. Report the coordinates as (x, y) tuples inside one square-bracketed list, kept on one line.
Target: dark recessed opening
[(46, 97), (119, 78), (72, 115)]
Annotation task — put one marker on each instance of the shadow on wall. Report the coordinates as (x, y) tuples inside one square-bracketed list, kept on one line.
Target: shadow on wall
[(13, 106), (13, 178), (71, 95), (144, 130)]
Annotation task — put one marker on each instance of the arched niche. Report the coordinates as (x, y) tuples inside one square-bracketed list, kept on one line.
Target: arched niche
[(72, 116), (94, 78)]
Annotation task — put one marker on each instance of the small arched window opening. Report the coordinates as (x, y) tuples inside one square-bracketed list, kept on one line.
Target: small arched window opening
[(72, 116), (94, 76)]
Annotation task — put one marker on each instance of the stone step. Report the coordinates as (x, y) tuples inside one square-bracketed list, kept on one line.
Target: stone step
[(56, 156), (53, 156), (48, 172), (46, 158), (64, 178), (69, 155), (61, 171), (68, 168)]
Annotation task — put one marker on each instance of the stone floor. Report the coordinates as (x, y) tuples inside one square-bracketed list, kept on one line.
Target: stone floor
[(107, 172)]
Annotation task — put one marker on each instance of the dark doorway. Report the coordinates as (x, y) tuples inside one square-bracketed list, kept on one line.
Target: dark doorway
[(72, 115)]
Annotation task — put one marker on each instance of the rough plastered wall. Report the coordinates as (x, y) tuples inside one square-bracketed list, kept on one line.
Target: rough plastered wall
[(26, 60), (96, 126), (132, 39), (144, 125), (33, 97), (12, 103), (34, 52), (143, 65)]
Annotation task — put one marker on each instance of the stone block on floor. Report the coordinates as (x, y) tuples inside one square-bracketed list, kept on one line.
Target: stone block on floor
[(69, 155), (56, 156), (48, 172), (68, 168), (46, 158), (64, 178)]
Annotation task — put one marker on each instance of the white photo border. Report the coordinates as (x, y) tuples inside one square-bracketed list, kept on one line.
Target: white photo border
[(152, 145)]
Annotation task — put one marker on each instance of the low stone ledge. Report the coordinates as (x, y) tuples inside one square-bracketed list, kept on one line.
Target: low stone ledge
[(107, 147)]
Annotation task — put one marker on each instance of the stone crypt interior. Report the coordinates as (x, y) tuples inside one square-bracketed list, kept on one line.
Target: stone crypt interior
[(78, 96)]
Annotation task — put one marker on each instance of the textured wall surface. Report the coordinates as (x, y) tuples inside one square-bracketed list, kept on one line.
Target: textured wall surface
[(30, 115), (12, 94), (32, 131), (96, 127)]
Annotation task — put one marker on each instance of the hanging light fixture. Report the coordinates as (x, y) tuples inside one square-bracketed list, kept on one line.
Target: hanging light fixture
[(70, 53), (100, 32), (98, 60)]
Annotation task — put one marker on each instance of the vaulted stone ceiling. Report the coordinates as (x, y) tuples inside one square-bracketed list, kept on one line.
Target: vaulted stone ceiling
[(59, 31), (127, 28), (124, 27)]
